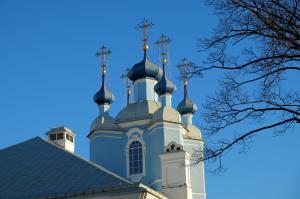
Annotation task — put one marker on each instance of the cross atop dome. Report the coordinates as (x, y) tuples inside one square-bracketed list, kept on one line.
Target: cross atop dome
[(103, 96), (144, 27), (103, 54), (145, 73), (186, 106), (164, 43), (164, 86), (183, 68)]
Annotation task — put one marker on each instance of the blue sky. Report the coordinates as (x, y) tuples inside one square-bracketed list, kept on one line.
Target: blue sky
[(49, 74)]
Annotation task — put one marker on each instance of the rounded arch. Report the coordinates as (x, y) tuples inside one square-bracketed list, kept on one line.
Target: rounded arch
[(135, 154), (135, 130)]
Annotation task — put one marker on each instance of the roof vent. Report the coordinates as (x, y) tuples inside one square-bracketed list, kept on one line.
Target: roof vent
[(63, 137)]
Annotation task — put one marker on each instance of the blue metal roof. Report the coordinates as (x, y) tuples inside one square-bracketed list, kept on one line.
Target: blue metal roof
[(37, 168)]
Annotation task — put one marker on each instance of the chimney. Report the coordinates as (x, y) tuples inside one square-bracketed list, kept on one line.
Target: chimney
[(63, 137)]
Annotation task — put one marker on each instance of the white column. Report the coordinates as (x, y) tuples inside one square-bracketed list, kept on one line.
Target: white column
[(187, 119), (104, 109), (166, 99), (144, 89)]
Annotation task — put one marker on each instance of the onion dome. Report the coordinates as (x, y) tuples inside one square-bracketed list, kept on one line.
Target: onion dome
[(164, 85), (186, 106), (144, 69), (103, 96)]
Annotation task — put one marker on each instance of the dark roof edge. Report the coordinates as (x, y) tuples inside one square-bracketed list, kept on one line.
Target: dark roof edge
[(108, 131), (132, 188), (20, 143)]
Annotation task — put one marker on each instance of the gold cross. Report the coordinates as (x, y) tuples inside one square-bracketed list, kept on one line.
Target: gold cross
[(183, 67), (144, 27), (103, 54), (164, 42)]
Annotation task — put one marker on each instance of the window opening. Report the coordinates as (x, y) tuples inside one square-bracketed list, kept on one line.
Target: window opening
[(135, 158), (60, 136), (52, 137)]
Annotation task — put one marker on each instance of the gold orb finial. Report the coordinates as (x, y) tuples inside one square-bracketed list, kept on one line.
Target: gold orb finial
[(164, 60), (185, 82), (145, 47)]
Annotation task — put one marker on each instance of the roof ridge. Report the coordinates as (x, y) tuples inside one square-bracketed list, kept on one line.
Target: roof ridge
[(87, 161), (112, 190), (19, 143)]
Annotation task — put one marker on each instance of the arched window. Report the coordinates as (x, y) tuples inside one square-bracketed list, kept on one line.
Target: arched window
[(135, 158)]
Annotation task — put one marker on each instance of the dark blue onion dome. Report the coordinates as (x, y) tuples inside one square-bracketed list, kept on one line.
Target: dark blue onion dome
[(186, 105), (164, 85), (104, 96), (144, 69)]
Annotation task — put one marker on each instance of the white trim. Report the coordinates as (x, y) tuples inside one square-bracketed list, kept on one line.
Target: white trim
[(164, 127), (135, 134), (133, 130), (152, 191), (134, 123), (108, 136), (154, 125), (155, 181), (197, 144), (143, 80), (204, 194), (178, 125), (60, 129), (108, 131), (104, 131)]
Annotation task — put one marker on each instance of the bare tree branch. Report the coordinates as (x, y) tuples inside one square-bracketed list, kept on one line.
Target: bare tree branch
[(266, 35)]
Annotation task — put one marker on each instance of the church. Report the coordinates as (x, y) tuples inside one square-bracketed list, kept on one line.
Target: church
[(150, 144)]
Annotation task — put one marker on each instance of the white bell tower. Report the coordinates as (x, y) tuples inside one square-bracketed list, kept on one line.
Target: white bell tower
[(176, 179)]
